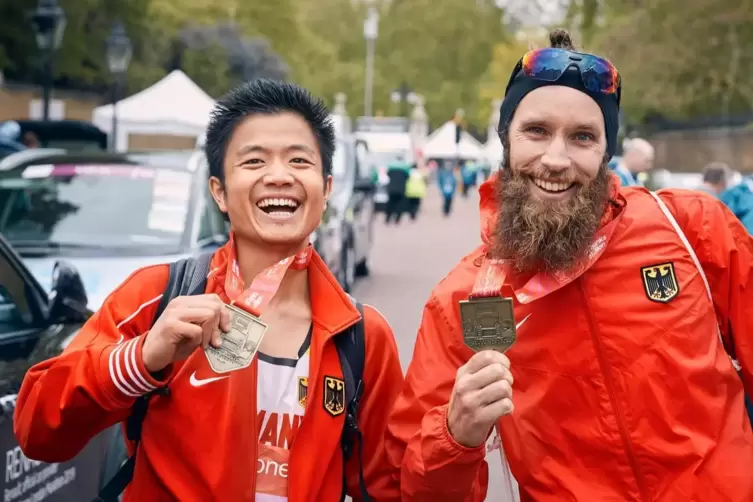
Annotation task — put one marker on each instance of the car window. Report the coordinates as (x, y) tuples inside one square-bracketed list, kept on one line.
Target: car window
[(340, 162), (362, 154), (205, 226), (212, 222), (15, 311), (94, 206)]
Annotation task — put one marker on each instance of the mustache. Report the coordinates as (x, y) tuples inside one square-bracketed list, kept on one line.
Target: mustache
[(531, 234), (544, 174)]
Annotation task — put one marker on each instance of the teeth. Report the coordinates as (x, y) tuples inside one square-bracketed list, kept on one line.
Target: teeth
[(551, 187), (277, 202)]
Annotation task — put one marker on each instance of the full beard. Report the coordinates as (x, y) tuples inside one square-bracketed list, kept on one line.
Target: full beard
[(532, 234)]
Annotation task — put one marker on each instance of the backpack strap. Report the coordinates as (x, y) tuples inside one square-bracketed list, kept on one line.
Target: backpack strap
[(676, 226), (351, 349), (187, 277)]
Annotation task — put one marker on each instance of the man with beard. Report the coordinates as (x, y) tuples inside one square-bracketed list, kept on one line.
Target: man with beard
[(613, 308)]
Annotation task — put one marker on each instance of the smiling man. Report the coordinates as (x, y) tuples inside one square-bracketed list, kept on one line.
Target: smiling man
[(225, 422), (590, 326)]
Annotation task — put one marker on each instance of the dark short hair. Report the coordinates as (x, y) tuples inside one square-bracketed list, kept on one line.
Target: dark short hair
[(266, 97), (715, 173)]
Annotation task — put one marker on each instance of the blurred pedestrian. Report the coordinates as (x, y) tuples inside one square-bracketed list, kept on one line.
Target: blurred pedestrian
[(415, 189), (398, 173), (633, 311), (716, 177), (486, 169), (10, 135), (739, 200), (469, 176), (448, 185), (31, 140), (223, 421), (637, 159)]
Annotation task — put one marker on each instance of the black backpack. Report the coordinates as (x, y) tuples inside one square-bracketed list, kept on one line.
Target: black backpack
[(189, 277)]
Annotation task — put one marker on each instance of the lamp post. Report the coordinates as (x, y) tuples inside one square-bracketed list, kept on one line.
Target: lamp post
[(119, 50), (404, 95), (48, 22), (370, 33)]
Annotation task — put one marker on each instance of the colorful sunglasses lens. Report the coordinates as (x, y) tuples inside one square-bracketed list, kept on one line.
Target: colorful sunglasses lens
[(598, 74)]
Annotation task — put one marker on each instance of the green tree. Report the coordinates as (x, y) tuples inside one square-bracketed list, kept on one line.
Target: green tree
[(330, 56), (505, 56), (681, 59), (441, 48), (80, 62)]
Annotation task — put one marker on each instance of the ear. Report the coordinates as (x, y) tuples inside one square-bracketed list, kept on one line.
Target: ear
[(217, 189), (327, 188)]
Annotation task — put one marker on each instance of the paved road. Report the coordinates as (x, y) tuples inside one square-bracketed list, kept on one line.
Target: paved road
[(407, 261)]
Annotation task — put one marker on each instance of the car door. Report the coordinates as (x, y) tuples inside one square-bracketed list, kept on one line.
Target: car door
[(363, 203), (26, 338), (213, 229)]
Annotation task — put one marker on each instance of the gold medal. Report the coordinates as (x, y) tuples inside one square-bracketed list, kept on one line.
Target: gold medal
[(488, 323), (239, 345)]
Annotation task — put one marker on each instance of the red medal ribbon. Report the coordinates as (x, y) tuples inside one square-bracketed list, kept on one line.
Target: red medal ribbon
[(490, 280), (257, 296)]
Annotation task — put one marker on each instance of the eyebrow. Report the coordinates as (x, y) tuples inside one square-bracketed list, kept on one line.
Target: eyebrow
[(246, 149), (533, 121)]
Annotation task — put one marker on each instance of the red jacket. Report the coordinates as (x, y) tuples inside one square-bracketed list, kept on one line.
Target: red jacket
[(617, 397), (200, 443)]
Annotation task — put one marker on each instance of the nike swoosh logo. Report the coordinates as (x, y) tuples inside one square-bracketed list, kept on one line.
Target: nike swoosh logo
[(199, 382), (517, 326)]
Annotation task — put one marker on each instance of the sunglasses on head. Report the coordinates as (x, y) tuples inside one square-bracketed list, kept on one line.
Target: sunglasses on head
[(598, 74)]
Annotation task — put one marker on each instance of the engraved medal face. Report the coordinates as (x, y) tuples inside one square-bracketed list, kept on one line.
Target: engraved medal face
[(488, 323), (239, 345)]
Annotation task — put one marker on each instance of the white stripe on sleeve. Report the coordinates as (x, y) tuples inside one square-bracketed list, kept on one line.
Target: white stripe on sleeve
[(115, 376), (132, 369)]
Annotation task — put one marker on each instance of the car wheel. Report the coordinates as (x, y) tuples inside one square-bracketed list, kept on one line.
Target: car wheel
[(348, 272)]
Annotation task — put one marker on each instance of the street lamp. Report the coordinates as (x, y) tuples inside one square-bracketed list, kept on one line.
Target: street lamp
[(48, 22), (370, 33), (119, 50), (404, 95)]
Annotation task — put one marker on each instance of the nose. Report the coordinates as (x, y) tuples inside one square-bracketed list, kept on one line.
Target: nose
[(278, 174), (555, 158)]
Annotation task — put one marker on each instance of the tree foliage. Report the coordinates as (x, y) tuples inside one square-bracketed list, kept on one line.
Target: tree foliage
[(678, 58), (439, 48)]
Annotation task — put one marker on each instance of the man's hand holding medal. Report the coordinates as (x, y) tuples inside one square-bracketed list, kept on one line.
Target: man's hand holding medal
[(187, 323)]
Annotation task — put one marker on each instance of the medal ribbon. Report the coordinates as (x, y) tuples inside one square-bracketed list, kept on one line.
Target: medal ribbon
[(490, 280), (263, 288)]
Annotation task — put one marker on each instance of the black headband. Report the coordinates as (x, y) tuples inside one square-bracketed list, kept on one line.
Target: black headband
[(521, 85)]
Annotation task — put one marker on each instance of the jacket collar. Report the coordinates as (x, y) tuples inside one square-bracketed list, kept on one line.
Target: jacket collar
[(331, 308)]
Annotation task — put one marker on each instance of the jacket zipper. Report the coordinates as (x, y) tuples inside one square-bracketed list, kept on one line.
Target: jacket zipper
[(609, 383)]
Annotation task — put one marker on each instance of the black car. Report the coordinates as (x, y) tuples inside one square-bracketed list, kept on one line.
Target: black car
[(71, 135), (35, 326), (344, 237), (108, 214)]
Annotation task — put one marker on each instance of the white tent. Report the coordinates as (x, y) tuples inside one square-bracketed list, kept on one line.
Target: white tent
[(173, 106), (492, 152), (441, 144)]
